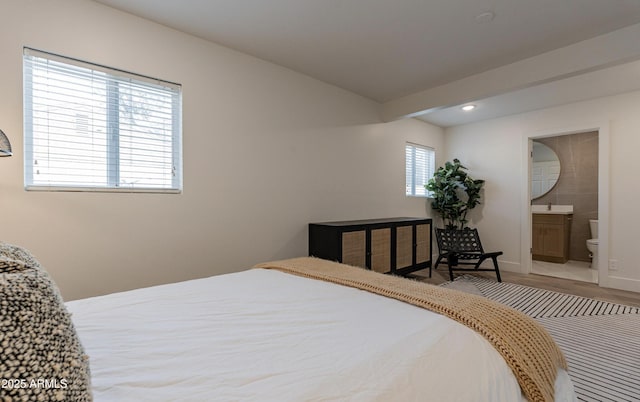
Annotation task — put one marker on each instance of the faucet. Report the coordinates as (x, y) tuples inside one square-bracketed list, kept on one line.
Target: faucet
[(549, 206)]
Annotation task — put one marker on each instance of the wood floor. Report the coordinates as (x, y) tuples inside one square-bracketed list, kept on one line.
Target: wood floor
[(577, 288)]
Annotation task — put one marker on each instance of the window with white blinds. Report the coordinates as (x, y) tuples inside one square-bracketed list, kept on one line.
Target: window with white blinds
[(90, 127), (420, 167)]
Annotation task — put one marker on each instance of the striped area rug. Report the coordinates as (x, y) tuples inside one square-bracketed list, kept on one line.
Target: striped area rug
[(600, 340)]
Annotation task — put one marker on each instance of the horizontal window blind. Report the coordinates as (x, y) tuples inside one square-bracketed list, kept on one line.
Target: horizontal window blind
[(89, 127), (420, 167)]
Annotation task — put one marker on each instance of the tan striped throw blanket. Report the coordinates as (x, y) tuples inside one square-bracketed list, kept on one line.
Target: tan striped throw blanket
[(527, 348)]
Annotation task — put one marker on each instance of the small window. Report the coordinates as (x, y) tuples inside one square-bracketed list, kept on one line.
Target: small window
[(420, 167), (90, 127)]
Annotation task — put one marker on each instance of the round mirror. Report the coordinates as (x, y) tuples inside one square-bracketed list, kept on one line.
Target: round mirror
[(545, 170)]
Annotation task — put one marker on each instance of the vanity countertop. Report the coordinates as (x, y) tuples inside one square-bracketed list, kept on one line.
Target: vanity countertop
[(555, 209)]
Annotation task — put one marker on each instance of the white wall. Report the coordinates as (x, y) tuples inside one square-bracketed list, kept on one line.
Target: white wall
[(494, 150), (266, 150)]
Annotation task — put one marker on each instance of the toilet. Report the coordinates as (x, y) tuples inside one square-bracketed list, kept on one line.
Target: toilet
[(592, 244)]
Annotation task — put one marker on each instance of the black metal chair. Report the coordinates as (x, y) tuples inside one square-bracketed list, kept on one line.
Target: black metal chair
[(459, 248)]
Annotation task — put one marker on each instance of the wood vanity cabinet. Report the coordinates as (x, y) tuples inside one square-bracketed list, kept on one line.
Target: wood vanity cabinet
[(551, 237), (390, 245)]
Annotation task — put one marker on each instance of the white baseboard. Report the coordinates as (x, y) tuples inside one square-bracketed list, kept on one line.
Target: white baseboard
[(510, 266), (616, 282)]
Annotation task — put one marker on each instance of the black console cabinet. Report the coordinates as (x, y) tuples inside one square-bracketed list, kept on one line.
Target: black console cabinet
[(389, 245)]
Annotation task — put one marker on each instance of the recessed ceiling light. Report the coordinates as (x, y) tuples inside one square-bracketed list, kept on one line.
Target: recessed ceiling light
[(468, 108), (487, 16)]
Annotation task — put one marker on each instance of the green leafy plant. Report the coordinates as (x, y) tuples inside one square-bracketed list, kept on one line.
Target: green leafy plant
[(455, 193)]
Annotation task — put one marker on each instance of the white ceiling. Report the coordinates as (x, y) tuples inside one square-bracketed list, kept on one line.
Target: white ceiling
[(604, 82), (388, 49)]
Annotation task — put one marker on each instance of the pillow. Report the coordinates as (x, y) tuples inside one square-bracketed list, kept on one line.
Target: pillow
[(41, 358), (8, 265), (18, 254)]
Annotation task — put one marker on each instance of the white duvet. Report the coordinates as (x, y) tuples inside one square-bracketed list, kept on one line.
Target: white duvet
[(263, 335)]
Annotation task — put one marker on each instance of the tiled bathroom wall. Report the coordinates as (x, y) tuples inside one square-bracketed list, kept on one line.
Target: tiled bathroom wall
[(577, 185)]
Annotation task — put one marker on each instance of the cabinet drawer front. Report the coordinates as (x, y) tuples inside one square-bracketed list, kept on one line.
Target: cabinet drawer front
[(537, 240), (354, 247), (423, 244), (404, 246), (381, 250), (554, 240), (548, 218)]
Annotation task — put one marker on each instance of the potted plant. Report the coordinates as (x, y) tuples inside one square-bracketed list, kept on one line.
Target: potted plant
[(454, 194)]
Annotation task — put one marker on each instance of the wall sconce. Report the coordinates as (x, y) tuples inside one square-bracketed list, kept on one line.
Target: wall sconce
[(5, 145)]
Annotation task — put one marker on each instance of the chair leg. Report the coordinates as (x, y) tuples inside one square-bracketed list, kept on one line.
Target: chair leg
[(495, 264), (450, 270), (437, 261)]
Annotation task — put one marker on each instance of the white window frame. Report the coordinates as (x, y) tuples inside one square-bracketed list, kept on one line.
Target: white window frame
[(144, 137), (418, 174)]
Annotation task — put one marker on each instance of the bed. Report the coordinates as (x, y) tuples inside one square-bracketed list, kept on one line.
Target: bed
[(268, 335)]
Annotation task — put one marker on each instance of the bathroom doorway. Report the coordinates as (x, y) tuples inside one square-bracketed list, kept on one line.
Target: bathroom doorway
[(564, 199)]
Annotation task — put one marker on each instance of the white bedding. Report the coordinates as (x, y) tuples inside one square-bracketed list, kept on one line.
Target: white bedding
[(263, 335)]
